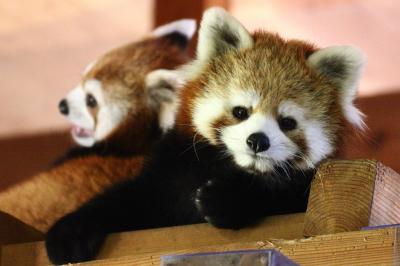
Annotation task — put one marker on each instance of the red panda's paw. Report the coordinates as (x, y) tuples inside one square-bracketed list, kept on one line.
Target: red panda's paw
[(73, 239), (226, 204)]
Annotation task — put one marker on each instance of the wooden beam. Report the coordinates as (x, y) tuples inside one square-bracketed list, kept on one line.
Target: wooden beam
[(375, 247), (165, 239), (372, 247)]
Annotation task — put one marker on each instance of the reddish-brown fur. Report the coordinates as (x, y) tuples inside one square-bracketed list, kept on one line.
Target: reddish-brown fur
[(46, 197), (269, 52)]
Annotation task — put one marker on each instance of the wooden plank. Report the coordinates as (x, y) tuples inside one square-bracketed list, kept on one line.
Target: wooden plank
[(160, 240), (340, 197), (374, 247)]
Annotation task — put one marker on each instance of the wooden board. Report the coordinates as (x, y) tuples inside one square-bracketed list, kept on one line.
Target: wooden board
[(165, 239), (375, 247)]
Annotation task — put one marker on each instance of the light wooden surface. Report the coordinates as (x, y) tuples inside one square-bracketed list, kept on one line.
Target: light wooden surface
[(348, 195), (13, 231), (340, 197), (163, 240), (385, 207), (375, 247)]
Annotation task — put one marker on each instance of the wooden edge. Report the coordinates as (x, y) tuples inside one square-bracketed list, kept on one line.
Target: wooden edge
[(385, 205), (14, 231), (172, 238), (340, 197), (374, 247)]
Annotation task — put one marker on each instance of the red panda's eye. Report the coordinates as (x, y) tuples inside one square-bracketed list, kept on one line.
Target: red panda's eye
[(287, 123), (91, 101), (240, 112)]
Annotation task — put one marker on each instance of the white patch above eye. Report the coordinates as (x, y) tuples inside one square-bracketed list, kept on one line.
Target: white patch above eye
[(244, 98), (186, 27), (289, 108), (206, 110), (94, 87)]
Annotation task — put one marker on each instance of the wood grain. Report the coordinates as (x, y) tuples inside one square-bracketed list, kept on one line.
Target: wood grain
[(375, 247), (386, 200), (165, 239), (340, 197)]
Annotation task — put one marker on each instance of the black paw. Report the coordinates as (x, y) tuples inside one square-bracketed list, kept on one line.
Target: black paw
[(73, 239), (227, 204)]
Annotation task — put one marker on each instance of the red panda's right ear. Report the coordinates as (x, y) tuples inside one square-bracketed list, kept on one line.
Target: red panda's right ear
[(342, 65), (220, 32), (179, 31)]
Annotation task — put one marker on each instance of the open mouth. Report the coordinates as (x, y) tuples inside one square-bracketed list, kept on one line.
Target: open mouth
[(81, 132)]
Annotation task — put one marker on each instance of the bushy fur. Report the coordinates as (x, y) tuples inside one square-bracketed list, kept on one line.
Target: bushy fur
[(205, 169), (84, 172)]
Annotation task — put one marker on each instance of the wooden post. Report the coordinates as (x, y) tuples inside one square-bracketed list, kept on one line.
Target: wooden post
[(349, 195)]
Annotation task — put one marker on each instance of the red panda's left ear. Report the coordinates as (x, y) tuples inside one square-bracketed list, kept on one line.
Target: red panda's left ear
[(162, 84), (179, 31), (342, 65)]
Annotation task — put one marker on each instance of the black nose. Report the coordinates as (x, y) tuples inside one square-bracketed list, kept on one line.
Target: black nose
[(258, 142), (63, 107)]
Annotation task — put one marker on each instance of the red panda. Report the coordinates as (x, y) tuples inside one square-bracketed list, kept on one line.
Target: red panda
[(257, 115), (123, 104)]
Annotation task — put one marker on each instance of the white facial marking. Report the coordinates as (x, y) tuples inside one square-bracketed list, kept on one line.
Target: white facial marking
[(186, 27), (317, 141), (248, 98), (205, 112), (79, 116), (109, 115)]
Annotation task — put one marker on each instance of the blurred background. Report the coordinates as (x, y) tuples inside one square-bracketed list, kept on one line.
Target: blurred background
[(45, 45)]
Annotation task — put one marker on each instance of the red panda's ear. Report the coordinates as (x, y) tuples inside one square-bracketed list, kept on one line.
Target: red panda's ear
[(179, 31), (342, 65), (219, 32), (162, 84)]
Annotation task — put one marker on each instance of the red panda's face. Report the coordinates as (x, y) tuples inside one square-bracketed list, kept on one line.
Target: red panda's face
[(268, 102), (133, 82), (261, 130)]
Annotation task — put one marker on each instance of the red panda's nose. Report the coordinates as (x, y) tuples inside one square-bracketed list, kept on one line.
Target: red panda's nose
[(63, 107), (258, 142)]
